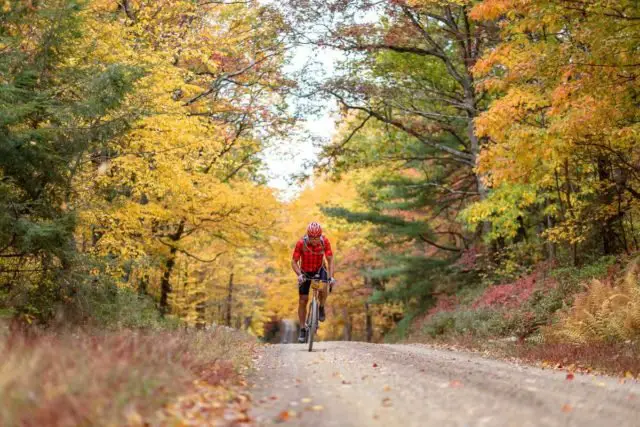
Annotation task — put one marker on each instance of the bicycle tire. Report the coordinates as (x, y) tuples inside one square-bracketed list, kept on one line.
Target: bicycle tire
[(314, 322), (307, 324)]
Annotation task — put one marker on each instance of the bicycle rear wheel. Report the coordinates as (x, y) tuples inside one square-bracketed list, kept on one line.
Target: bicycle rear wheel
[(314, 322)]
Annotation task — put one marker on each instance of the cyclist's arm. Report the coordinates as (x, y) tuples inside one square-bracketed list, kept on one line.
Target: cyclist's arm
[(295, 258), (296, 267), (328, 254), (330, 262)]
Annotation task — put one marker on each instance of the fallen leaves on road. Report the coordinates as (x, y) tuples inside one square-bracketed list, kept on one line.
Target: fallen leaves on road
[(386, 388), (306, 400), (375, 365), (317, 408), (566, 408), (455, 384), (206, 404), (283, 416), (570, 376), (386, 402)]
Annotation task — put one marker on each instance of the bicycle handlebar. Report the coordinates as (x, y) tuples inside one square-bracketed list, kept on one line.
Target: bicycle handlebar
[(316, 278), (319, 280)]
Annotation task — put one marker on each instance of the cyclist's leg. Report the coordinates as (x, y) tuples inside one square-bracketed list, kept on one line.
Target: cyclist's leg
[(302, 301), (322, 296)]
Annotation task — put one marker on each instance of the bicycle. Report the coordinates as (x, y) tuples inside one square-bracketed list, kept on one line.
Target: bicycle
[(313, 310)]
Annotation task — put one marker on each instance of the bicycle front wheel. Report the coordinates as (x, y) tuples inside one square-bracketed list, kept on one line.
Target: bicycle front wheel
[(314, 322)]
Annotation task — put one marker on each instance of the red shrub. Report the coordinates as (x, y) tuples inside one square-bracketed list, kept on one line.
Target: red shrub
[(508, 295), (469, 258), (443, 303)]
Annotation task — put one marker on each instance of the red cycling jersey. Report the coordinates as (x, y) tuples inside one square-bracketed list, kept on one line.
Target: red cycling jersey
[(312, 255)]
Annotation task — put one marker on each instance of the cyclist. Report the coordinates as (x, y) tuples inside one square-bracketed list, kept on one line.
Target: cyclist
[(308, 260)]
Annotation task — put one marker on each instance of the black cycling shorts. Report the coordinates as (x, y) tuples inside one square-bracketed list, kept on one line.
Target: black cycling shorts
[(304, 288)]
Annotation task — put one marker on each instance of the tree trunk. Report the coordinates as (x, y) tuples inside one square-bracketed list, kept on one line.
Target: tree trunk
[(368, 322), (143, 284), (610, 236), (475, 146), (347, 324), (165, 283), (229, 301), (201, 307)]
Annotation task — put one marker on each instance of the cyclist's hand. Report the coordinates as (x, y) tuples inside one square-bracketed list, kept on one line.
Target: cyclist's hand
[(333, 281), (300, 279)]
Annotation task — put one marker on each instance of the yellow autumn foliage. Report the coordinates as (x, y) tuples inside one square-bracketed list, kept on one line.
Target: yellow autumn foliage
[(175, 204)]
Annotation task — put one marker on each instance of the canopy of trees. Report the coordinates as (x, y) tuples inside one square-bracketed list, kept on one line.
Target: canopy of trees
[(475, 139)]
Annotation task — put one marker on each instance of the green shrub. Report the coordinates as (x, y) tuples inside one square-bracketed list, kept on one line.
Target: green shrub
[(479, 323), (401, 328), (113, 307), (573, 276), (471, 292)]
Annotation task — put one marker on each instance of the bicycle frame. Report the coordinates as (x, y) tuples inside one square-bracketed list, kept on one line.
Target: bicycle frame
[(311, 322)]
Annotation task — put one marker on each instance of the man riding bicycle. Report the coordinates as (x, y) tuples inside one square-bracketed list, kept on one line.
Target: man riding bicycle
[(308, 260)]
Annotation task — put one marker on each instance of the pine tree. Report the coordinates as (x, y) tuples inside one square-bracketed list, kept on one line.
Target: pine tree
[(56, 106)]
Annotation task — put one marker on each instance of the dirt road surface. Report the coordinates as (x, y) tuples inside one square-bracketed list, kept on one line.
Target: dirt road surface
[(359, 384)]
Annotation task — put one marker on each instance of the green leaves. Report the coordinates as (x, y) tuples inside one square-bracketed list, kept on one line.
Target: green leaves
[(505, 208), (57, 104)]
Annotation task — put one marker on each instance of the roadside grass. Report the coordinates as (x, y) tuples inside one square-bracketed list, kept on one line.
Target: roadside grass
[(617, 359), (111, 377), (515, 309), (575, 318), (621, 359)]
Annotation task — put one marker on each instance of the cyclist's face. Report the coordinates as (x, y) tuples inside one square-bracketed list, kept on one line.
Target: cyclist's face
[(314, 240)]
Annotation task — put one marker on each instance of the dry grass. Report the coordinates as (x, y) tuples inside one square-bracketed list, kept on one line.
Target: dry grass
[(619, 359), (615, 359), (605, 313), (102, 378)]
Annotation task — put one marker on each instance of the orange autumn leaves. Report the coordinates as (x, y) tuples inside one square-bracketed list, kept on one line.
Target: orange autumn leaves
[(562, 121)]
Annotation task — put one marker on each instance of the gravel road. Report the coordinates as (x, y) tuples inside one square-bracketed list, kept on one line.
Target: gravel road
[(359, 384)]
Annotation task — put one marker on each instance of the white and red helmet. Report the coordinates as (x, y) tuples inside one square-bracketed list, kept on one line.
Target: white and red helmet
[(314, 230)]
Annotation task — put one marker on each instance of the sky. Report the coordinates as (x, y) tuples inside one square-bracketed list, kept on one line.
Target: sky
[(288, 157)]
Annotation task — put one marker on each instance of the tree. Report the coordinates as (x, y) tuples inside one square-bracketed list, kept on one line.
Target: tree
[(58, 103), (564, 132), (183, 188), (409, 103), (409, 71)]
